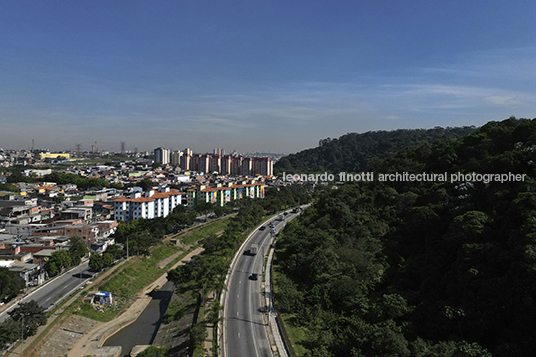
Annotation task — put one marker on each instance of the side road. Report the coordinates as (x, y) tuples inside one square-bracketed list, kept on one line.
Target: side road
[(90, 343), (52, 319)]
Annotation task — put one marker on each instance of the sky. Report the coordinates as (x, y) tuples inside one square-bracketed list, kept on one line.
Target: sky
[(257, 75)]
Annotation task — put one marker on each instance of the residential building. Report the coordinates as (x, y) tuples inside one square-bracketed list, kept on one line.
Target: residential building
[(148, 205), (161, 156)]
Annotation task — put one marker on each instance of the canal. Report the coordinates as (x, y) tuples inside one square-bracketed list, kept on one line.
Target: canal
[(144, 329)]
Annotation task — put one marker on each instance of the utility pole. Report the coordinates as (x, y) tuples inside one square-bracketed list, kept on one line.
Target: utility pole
[(22, 335)]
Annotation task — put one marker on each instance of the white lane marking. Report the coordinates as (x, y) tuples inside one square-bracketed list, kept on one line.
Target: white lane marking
[(237, 313), (237, 296), (240, 282), (239, 335), (48, 298)]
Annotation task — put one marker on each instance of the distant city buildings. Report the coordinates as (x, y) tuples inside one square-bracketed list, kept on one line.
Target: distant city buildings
[(216, 162)]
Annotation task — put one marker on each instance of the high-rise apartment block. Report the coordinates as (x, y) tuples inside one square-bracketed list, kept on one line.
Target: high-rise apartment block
[(161, 156), (219, 151), (217, 162)]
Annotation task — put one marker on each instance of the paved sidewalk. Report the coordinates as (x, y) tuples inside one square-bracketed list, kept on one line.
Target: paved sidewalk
[(90, 344)]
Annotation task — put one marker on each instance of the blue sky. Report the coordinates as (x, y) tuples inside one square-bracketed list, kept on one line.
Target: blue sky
[(257, 75)]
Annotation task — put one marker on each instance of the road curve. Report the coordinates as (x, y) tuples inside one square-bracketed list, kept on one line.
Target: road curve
[(245, 330)]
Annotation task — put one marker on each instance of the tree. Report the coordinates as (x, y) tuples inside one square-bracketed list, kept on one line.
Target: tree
[(108, 258), (153, 351), (58, 260), (77, 250), (33, 315), (115, 250), (96, 262), (9, 331), (198, 333), (11, 283)]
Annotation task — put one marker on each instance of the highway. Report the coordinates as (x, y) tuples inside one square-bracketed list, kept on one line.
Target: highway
[(245, 326), (49, 293)]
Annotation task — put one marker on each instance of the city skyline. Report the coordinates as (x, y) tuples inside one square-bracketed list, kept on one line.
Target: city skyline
[(257, 76)]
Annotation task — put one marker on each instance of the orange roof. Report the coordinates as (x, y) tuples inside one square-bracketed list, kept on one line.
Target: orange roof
[(213, 189), (46, 187), (141, 199), (155, 196)]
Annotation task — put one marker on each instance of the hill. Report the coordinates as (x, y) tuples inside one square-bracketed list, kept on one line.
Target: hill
[(353, 152), (422, 268)]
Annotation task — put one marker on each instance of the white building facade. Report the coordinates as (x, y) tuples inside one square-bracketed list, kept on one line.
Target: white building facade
[(150, 204)]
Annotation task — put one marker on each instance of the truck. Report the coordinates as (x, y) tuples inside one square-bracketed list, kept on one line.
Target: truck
[(253, 249)]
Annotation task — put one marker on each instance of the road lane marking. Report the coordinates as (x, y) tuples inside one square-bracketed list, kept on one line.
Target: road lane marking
[(239, 335), (237, 313)]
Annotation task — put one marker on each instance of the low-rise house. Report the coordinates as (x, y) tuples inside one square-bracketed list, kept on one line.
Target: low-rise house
[(33, 274), (41, 257)]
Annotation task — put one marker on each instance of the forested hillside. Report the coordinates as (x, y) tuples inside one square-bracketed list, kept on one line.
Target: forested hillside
[(353, 152), (420, 268)]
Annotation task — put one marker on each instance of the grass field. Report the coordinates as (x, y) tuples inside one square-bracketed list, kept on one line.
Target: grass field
[(137, 274), (205, 230), (140, 272)]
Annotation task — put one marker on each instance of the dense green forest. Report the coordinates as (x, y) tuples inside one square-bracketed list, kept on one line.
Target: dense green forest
[(354, 152), (420, 268)]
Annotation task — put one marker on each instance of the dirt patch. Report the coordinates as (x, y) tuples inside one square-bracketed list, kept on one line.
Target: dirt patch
[(63, 336)]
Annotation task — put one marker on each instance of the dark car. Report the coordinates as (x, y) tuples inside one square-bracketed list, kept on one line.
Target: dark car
[(262, 228), (254, 276)]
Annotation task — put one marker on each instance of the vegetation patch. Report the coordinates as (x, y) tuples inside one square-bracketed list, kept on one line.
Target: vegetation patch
[(108, 313), (420, 268), (136, 275), (205, 230)]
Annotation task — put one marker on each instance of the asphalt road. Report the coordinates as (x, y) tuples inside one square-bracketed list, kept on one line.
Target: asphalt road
[(245, 331), (49, 293)]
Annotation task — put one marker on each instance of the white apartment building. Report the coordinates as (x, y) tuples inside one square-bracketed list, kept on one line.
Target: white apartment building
[(150, 204)]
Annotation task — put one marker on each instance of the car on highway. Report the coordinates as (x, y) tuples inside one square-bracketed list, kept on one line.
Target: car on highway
[(262, 228), (254, 276)]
